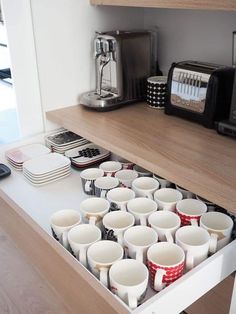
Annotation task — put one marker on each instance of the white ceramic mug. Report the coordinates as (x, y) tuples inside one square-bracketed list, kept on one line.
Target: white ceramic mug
[(137, 240), (197, 243), (129, 280), (141, 208), (185, 193), (115, 224), (126, 177), (80, 238), (190, 211), (105, 184), (219, 224), (101, 255), (145, 186), (61, 222), (110, 167), (167, 198), (166, 223), (142, 172), (163, 182), (88, 177), (166, 263), (94, 209), (119, 198)]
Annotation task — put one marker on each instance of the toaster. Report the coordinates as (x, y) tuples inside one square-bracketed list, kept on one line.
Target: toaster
[(199, 91)]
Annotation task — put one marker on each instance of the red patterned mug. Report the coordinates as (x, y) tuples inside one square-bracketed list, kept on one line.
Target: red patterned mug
[(190, 211)]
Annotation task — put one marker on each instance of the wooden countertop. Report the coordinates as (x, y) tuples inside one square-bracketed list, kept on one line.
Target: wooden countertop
[(183, 152)]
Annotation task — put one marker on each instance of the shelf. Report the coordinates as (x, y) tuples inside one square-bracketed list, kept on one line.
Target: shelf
[(227, 5), (183, 152)]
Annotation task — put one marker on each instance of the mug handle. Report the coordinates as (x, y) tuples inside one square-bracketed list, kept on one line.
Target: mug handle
[(132, 301), (92, 220), (189, 261), (194, 222), (87, 186), (149, 195), (104, 276), (64, 240), (82, 256), (103, 194), (143, 220), (213, 243), (139, 256), (169, 237), (109, 174), (120, 238), (123, 207), (158, 280)]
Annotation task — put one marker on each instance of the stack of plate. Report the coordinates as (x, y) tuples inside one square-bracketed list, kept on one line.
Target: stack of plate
[(17, 156), (87, 155), (64, 140), (46, 169)]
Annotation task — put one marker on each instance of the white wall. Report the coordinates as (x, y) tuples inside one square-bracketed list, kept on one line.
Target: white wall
[(64, 30), (192, 34)]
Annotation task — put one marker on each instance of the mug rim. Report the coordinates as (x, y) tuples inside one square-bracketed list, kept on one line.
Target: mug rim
[(65, 211), (180, 230), (164, 212), (91, 178), (115, 213), (87, 200), (74, 229), (229, 221), (188, 200), (154, 233), (150, 179), (148, 200), (180, 195), (102, 243)]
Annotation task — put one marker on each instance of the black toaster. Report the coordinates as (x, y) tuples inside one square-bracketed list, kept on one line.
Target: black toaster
[(199, 91)]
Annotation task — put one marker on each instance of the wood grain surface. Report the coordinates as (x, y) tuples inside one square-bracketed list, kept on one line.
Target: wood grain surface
[(227, 5), (73, 283), (183, 152)]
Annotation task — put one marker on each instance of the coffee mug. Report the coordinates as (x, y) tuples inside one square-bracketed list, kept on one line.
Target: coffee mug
[(190, 211), (119, 198), (167, 198), (210, 206), (80, 238), (105, 184), (88, 177), (142, 172), (129, 281), (197, 244), (163, 182), (185, 193), (94, 209), (137, 240), (61, 222), (166, 223), (157, 91), (115, 224), (126, 177), (166, 263), (110, 167), (219, 224), (145, 186), (101, 255), (141, 208), (126, 164)]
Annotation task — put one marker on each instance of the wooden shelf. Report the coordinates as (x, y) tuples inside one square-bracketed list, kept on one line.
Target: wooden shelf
[(227, 5), (181, 151)]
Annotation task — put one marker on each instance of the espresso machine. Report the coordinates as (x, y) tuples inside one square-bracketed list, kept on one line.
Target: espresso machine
[(123, 62)]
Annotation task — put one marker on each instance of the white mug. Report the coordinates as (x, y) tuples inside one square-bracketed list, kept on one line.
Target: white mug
[(61, 222), (105, 184), (88, 177), (129, 281), (119, 198), (197, 243), (185, 193), (219, 224), (141, 208), (126, 177), (142, 172), (115, 223), (145, 186), (166, 223), (94, 209), (80, 238), (137, 240), (163, 182), (101, 255), (190, 211), (166, 263), (110, 167), (167, 198)]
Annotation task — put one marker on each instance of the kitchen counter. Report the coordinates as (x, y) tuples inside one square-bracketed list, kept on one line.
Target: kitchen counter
[(183, 152)]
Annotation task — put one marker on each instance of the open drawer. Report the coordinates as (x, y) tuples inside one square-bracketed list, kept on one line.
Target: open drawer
[(25, 212)]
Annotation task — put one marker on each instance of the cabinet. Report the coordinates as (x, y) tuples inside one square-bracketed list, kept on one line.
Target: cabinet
[(228, 5)]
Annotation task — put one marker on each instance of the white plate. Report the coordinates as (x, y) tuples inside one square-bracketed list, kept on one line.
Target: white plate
[(47, 175), (46, 181), (27, 152), (47, 163)]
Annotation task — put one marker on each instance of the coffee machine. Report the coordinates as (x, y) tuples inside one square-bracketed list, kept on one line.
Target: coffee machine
[(123, 62)]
